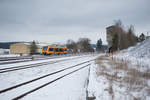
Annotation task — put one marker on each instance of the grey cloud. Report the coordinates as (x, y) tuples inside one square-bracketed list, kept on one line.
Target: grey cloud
[(53, 17)]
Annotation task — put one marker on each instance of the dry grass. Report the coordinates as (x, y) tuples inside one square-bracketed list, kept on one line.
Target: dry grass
[(146, 75), (133, 79), (134, 83), (119, 64), (100, 59), (110, 90)]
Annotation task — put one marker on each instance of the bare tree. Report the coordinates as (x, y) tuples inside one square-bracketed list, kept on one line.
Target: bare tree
[(118, 23), (131, 36), (115, 42), (120, 33), (72, 46), (84, 45), (124, 38)]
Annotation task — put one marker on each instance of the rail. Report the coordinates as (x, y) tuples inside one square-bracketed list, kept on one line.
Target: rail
[(44, 76), (10, 69)]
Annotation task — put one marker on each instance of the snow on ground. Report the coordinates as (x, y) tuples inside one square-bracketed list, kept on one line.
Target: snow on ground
[(141, 50), (111, 79), (26, 74), (69, 88), (37, 61), (96, 88), (72, 87), (122, 76), (137, 55), (4, 51), (9, 55)]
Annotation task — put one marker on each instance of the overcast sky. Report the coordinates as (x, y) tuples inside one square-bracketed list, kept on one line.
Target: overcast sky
[(60, 20)]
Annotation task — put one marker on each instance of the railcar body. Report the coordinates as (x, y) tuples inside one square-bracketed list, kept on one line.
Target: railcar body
[(52, 50)]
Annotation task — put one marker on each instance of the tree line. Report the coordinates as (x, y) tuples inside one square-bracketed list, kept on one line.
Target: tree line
[(122, 38), (82, 45)]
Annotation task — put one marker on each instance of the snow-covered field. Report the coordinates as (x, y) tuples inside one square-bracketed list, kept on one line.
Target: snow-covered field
[(71, 87), (124, 75), (137, 55)]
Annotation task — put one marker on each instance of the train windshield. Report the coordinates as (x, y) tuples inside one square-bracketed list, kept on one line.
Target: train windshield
[(45, 48), (50, 49)]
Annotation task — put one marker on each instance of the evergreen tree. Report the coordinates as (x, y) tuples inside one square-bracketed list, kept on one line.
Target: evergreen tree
[(72, 46), (142, 37), (99, 45), (33, 48)]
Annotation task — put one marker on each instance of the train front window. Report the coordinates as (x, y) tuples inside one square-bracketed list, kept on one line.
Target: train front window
[(50, 49), (45, 48)]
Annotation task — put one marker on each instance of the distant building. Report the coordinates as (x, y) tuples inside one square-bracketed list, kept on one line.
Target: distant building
[(110, 32), (20, 48), (24, 48)]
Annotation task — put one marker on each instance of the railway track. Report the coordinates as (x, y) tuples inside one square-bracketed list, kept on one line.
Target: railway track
[(14, 58), (22, 57), (10, 69), (26, 59), (11, 60), (30, 57), (14, 61), (59, 73)]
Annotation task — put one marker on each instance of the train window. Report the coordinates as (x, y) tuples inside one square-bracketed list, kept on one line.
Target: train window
[(50, 49), (61, 50), (65, 49), (45, 48), (57, 50)]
